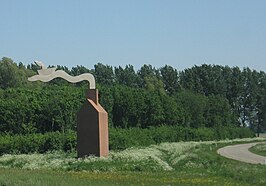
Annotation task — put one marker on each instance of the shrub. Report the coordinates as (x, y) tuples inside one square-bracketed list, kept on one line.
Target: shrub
[(204, 134), (123, 138), (31, 143), (118, 138)]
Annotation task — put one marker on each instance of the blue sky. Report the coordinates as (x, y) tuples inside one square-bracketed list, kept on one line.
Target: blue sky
[(180, 33)]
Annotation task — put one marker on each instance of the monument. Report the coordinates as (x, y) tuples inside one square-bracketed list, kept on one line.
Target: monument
[(92, 119)]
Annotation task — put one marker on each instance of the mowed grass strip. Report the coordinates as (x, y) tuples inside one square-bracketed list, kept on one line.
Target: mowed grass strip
[(43, 177)]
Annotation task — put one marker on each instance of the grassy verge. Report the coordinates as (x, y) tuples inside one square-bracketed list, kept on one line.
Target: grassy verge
[(259, 149), (44, 177), (184, 163)]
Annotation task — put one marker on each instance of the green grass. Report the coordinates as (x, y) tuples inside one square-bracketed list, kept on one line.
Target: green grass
[(44, 177), (259, 149), (184, 163)]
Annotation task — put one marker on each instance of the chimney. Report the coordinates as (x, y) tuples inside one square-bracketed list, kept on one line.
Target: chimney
[(92, 94)]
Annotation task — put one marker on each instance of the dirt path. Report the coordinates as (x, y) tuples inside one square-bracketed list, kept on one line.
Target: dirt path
[(241, 153)]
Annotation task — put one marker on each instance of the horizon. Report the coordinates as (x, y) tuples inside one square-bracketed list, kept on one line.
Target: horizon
[(135, 69)]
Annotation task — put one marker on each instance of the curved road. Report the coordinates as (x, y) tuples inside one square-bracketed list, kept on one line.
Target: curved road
[(241, 153)]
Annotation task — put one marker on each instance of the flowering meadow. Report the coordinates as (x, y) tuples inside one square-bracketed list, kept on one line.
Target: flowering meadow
[(180, 163), (162, 157)]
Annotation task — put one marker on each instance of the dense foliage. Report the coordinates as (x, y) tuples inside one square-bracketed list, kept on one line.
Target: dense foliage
[(119, 139), (207, 96)]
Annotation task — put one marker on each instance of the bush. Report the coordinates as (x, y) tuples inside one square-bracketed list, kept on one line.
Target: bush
[(118, 138), (124, 138), (31, 143), (204, 134)]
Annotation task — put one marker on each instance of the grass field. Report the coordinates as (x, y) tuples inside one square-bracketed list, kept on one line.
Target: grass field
[(44, 177), (184, 163), (259, 149)]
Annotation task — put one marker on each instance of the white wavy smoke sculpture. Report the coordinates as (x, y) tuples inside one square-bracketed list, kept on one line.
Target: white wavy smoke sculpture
[(48, 74)]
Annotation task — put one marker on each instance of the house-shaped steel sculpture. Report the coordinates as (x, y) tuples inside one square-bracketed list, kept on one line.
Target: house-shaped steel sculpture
[(92, 127), (92, 119)]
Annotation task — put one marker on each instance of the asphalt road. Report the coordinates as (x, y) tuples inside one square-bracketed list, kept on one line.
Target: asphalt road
[(241, 153)]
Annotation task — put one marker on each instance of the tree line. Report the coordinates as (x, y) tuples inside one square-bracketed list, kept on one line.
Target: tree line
[(210, 96)]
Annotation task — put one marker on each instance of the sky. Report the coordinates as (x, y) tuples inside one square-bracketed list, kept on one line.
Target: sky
[(179, 33)]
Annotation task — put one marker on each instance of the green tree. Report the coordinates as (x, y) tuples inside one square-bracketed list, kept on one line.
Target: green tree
[(104, 74), (79, 69), (235, 89), (219, 113), (259, 125), (10, 74), (248, 98), (170, 79), (127, 76), (150, 79), (153, 114), (173, 113), (189, 80), (194, 106)]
